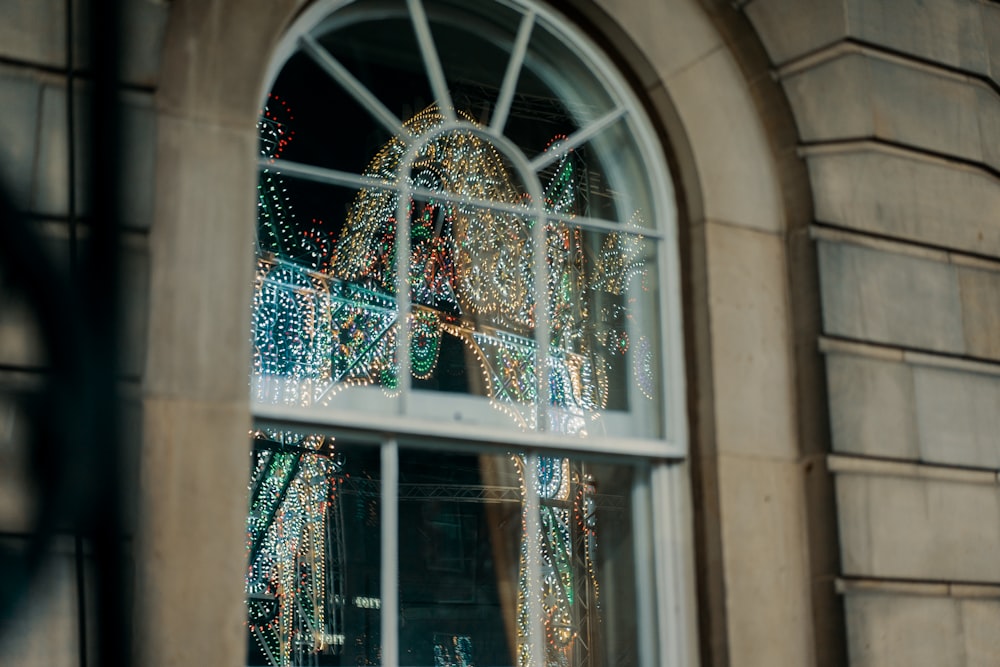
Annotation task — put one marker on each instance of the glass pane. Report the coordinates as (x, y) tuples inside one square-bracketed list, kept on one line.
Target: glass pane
[(466, 587), (327, 326), (612, 179), (472, 326), (473, 41), (555, 90), (314, 551), (320, 123), (604, 333), (376, 43)]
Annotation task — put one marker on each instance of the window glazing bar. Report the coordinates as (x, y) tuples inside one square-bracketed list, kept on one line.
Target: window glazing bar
[(532, 537), (435, 73), (389, 585), (642, 522), (324, 175), (578, 138), (354, 88), (513, 73), (440, 430), (599, 224), (668, 556), (337, 177)]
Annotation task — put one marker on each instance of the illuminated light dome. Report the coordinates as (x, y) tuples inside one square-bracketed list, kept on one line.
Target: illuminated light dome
[(466, 260)]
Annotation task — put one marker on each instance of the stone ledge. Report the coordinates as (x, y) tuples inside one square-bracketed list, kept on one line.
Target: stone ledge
[(921, 588), (832, 235), (857, 465), (829, 345), (840, 49)]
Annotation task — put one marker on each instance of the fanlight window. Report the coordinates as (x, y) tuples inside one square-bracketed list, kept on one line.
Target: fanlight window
[(465, 263)]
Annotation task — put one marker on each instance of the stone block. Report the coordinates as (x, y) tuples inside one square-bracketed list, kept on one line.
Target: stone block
[(20, 96), (871, 407), (988, 105), (748, 307), (20, 337), (945, 31), (45, 629), (647, 20), (981, 311), (134, 309), (885, 630), (894, 194), (34, 32), (918, 528), (191, 542), (15, 492), (833, 100), (980, 620), (990, 14), (737, 185), (859, 94), (888, 298), (201, 78), (203, 264), (957, 416), (765, 559), (791, 28), (949, 32), (138, 133), (143, 24), (918, 107)]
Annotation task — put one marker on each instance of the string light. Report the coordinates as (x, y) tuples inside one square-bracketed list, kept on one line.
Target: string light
[(326, 318)]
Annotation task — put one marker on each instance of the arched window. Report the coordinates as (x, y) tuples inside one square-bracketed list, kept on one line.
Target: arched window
[(467, 373)]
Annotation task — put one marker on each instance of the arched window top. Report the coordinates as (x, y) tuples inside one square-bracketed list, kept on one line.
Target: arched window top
[(537, 256)]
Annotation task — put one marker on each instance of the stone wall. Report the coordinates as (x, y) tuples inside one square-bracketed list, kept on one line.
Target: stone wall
[(897, 104), (38, 79)]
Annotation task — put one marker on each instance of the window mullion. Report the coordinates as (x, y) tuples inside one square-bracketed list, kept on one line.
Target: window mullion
[(668, 557), (533, 548), (390, 554), (435, 73), (510, 78), (645, 570)]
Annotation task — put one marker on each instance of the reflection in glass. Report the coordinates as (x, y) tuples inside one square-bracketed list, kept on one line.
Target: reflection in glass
[(313, 547), (472, 584), (465, 564), (337, 325), (325, 307)]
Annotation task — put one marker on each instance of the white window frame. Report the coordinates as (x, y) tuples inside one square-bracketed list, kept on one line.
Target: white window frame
[(662, 613)]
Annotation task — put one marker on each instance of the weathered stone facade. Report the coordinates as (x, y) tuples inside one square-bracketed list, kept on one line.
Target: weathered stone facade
[(837, 165)]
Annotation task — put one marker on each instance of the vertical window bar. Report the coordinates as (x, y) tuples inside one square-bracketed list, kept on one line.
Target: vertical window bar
[(510, 78), (667, 558), (672, 416), (646, 616), (532, 534), (435, 73), (390, 554)]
